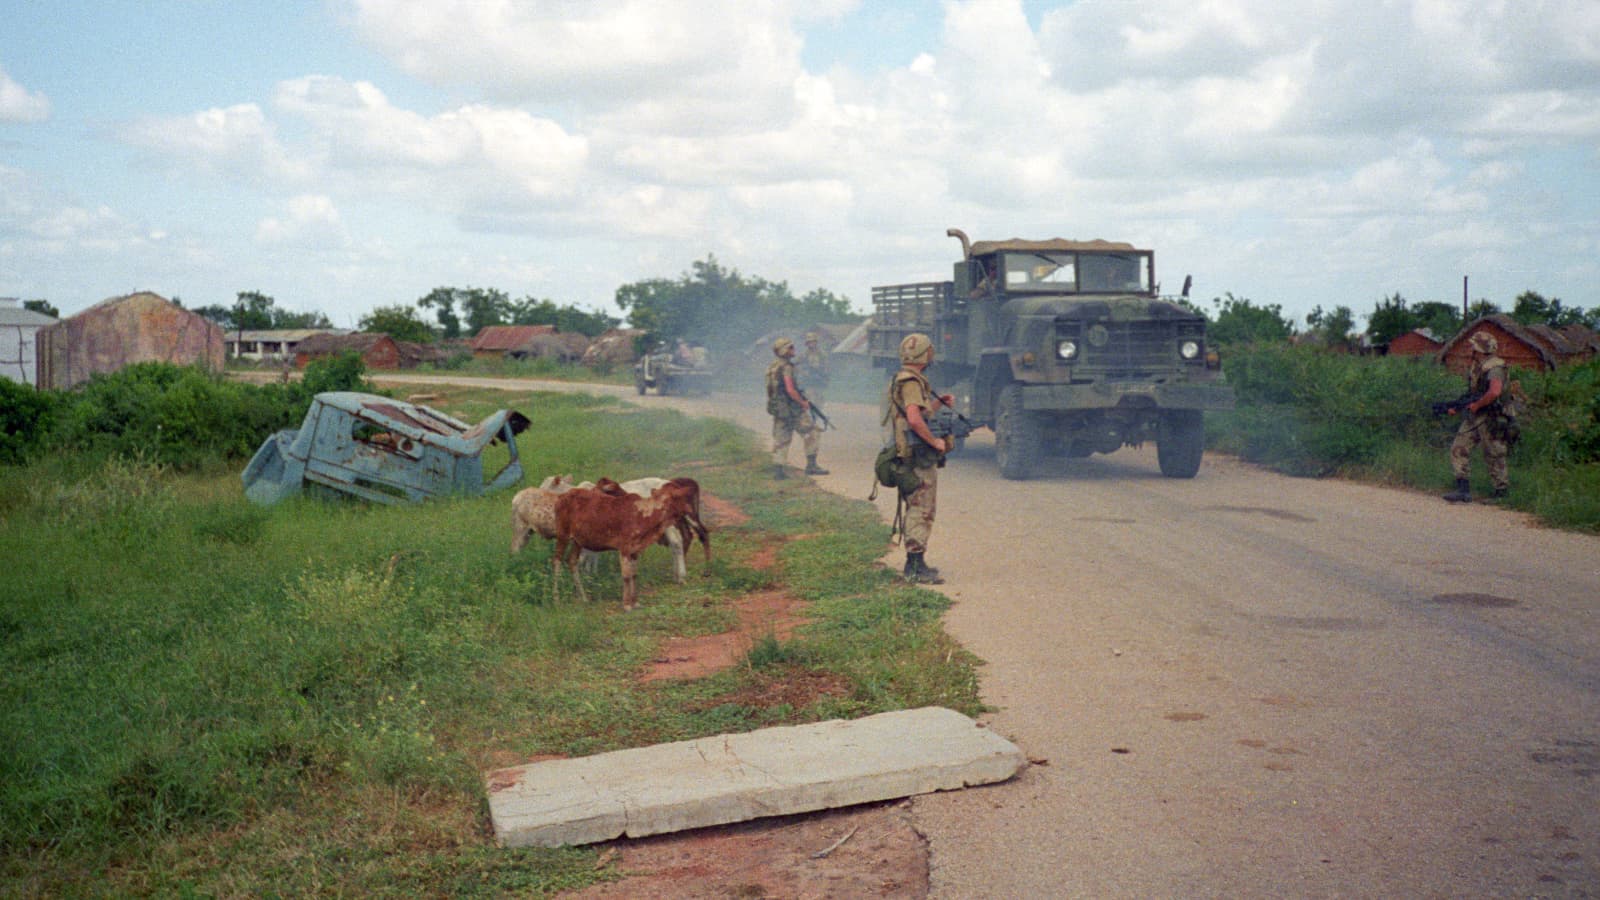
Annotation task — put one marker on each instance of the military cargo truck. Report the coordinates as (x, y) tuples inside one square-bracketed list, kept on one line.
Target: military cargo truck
[(1062, 348)]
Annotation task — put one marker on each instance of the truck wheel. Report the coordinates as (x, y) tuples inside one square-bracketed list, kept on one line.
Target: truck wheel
[(1018, 436), (1180, 443), (639, 385)]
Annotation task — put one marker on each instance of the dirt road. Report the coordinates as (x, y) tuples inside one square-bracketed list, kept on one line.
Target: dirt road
[(1247, 685)]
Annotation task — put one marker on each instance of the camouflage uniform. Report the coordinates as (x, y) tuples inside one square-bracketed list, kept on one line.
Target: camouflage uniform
[(812, 368), (911, 388), (1487, 426), (788, 417)]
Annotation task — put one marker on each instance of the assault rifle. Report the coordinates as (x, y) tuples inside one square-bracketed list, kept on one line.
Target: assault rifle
[(1450, 407), (945, 423), (816, 411)]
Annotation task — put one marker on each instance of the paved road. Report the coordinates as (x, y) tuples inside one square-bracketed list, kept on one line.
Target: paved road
[(1247, 685)]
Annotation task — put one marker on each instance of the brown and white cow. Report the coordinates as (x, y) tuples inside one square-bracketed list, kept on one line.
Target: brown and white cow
[(606, 517)]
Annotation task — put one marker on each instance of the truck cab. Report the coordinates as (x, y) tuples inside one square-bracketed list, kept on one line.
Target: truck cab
[(1062, 348)]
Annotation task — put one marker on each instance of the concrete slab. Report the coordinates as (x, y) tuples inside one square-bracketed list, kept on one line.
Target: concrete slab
[(735, 777)]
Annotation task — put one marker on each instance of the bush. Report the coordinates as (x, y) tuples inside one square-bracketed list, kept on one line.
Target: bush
[(26, 416)]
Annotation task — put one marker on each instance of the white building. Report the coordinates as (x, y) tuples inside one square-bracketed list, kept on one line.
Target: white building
[(19, 347)]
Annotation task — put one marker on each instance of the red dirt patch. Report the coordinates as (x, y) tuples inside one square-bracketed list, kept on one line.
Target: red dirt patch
[(720, 512), (760, 614), (881, 855)]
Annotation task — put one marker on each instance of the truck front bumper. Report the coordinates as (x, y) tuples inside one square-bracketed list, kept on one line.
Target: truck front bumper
[(1112, 394)]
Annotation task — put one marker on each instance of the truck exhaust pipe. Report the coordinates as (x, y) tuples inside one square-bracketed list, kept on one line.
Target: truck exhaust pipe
[(966, 245)]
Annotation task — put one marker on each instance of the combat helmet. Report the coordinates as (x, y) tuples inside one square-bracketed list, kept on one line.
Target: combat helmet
[(782, 346), (1484, 342), (916, 348)]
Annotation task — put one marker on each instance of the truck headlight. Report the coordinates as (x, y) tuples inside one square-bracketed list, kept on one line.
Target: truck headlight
[(1189, 349), (1066, 351)]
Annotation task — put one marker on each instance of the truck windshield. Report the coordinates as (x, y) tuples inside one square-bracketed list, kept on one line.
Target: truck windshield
[(1067, 272)]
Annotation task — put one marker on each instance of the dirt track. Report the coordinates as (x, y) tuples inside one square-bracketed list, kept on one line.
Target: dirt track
[(1247, 685)]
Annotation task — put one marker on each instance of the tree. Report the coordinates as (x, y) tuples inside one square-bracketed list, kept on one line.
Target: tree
[(42, 306), (1390, 319), (1332, 327), (252, 310), (216, 312), (723, 308), (1480, 308), (443, 301), (484, 307), (1240, 321), (399, 322), (1441, 319), (529, 311)]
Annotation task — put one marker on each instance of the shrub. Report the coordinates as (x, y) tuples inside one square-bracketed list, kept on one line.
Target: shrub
[(26, 416)]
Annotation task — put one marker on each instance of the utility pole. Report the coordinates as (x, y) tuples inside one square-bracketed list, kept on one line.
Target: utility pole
[(1463, 298)]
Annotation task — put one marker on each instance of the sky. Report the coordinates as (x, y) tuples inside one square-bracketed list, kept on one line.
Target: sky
[(340, 155)]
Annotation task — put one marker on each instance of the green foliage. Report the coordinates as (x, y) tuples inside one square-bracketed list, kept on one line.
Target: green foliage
[(26, 416), (1239, 321), (722, 308), (42, 306), (399, 322), (178, 416), (487, 306), (1309, 412)]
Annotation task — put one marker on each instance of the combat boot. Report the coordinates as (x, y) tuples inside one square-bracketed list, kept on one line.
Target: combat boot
[(919, 572), (1461, 494), (812, 468), (778, 474)]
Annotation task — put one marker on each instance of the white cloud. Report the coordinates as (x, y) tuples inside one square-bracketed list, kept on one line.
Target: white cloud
[(18, 104), (310, 221), (237, 140)]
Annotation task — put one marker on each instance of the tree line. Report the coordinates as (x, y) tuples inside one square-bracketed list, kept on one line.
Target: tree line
[(709, 303), (1239, 320)]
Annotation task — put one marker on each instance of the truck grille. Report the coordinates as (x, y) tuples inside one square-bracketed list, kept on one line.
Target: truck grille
[(1129, 349)]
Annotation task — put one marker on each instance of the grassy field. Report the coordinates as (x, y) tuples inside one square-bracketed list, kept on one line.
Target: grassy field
[(199, 697)]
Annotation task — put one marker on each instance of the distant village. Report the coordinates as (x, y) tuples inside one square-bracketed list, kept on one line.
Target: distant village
[(58, 354)]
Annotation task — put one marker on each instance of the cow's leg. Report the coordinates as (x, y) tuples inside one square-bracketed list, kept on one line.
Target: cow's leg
[(673, 538), (572, 563), (630, 590), (519, 535), (555, 569)]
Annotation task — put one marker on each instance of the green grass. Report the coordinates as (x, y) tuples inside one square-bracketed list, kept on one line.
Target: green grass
[(1308, 412), (203, 697)]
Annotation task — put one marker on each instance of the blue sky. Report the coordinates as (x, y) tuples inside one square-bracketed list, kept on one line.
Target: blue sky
[(340, 155)]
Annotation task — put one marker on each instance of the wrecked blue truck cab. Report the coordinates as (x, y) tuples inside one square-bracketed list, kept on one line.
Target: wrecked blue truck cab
[(382, 450)]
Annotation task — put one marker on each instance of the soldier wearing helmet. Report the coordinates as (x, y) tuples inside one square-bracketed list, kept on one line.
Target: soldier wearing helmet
[(911, 402), (1489, 420), (811, 366), (791, 412)]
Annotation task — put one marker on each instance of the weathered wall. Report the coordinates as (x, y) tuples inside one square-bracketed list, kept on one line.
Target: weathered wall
[(141, 327)]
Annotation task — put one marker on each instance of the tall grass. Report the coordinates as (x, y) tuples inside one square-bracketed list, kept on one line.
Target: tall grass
[(1305, 411), (202, 696)]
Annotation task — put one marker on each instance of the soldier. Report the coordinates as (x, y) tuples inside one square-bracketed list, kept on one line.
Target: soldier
[(791, 412), (911, 403), (812, 368), (1488, 421)]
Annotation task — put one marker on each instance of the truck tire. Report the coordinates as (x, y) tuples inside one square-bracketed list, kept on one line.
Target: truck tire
[(1180, 443), (639, 385), (1018, 436)]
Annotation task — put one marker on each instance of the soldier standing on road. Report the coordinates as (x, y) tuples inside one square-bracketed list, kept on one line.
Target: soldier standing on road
[(1487, 421), (911, 403), (812, 368), (791, 412)]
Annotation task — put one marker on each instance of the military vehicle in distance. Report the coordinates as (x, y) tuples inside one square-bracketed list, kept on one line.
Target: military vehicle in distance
[(1061, 348)]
